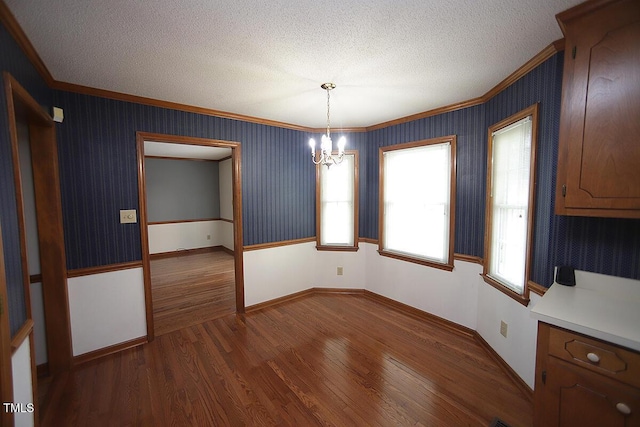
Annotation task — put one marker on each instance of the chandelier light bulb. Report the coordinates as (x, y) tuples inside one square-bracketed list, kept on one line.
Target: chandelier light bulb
[(341, 143)]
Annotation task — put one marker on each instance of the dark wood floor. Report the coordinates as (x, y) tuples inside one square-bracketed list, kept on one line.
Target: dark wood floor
[(189, 289), (321, 359)]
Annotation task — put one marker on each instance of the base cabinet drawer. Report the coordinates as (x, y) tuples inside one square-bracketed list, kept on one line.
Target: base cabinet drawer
[(572, 388)]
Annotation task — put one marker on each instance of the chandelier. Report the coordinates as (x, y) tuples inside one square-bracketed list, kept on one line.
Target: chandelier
[(326, 156)]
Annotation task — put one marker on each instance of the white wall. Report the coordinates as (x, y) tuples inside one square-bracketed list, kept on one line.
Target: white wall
[(518, 349), (226, 234), (22, 384), (106, 309), (353, 268), (451, 295), (188, 235), (277, 272)]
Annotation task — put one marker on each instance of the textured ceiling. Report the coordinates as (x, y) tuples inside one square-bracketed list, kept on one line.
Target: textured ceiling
[(267, 59)]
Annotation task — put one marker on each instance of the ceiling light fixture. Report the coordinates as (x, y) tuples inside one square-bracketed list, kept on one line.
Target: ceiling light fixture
[(326, 156)]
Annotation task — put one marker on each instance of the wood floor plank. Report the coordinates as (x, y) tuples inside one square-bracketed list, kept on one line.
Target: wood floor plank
[(189, 289), (321, 359)]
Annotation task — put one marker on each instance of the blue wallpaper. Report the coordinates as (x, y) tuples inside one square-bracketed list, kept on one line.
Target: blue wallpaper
[(543, 86), (16, 63), (469, 126), (606, 246), (98, 166)]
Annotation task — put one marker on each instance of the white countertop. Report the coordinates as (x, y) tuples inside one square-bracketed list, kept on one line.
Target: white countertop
[(599, 306)]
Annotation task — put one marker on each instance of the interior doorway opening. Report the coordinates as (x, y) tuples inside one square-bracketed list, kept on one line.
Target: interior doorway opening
[(191, 229)]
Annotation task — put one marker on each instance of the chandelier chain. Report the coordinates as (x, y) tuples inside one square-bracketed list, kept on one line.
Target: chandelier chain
[(326, 156), (328, 119)]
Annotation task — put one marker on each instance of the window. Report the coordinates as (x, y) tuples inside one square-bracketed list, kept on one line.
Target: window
[(337, 204), (509, 215), (417, 201)]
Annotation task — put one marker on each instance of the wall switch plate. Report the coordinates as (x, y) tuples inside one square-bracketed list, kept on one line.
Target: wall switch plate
[(503, 329), (128, 216), (339, 272)]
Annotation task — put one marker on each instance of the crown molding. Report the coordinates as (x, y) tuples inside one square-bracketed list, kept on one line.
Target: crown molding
[(15, 30), (9, 21), (546, 53)]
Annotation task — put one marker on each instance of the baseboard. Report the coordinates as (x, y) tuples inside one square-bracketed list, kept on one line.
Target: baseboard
[(420, 314), (306, 292), (183, 252), (87, 357), (519, 382), (413, 312), (404, 308)]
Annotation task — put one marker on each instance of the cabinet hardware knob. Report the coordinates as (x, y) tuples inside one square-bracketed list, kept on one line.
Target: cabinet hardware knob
[(623, 408), (593, 357)]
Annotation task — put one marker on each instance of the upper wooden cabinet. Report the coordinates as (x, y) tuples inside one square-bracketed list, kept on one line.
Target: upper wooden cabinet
[(599, 150)]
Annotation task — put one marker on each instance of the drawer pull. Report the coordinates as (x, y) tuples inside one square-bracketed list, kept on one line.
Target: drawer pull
[(593, 357), (623, 409)]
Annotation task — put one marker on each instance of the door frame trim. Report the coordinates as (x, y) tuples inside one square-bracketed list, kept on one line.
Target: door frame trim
[(236, 158)]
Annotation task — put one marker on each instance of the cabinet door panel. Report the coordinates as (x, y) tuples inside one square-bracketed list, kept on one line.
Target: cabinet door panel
[(611, 142), (576, 397), (599, 149)]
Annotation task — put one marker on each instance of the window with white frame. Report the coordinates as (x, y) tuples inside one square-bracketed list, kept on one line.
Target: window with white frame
[(417, 189), (337, 204), (509, 215)]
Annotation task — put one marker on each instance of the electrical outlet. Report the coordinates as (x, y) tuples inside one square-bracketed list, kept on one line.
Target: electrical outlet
[(208, 236), (339, 272), (503, 328)]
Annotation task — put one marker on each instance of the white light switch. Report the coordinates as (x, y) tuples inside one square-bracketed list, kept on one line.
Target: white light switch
[(128, 216)]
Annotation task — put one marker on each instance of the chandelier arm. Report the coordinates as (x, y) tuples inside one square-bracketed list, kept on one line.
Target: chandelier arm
[(320, 159)]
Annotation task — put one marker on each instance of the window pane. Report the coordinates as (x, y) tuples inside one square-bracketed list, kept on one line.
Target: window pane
[(416, 201), (337, 203), (510, 187)]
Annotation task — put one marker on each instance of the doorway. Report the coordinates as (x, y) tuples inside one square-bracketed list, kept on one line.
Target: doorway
[(32, 133), (203, 275)]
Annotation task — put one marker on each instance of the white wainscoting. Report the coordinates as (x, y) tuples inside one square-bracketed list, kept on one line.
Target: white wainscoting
[(106, 309), (353, 269), (226, 234), (276, 272), (22, 385), (519, 348), (451, 295), (188, 235)]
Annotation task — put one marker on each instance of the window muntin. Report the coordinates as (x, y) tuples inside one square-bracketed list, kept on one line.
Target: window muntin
[(336, 193), (510, 183), (417, 209)]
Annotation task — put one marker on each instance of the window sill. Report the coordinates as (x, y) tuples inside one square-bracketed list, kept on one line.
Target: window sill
[(416, 260), (522, 299), (337, 248)]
